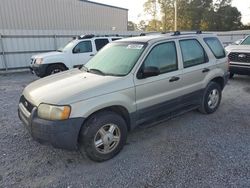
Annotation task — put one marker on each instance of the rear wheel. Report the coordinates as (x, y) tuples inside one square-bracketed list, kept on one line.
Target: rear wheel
[(211, 99), (103, 136), (56, 68)]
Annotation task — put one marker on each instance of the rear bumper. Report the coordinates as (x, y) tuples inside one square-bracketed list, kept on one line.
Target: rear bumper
[(60, 134), (38, 69), (239, 69)]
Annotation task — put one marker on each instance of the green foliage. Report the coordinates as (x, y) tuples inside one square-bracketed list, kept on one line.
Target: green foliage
[(210, 15), (131, 26)]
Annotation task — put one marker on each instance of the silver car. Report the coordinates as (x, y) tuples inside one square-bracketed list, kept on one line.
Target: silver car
[(129, 82)]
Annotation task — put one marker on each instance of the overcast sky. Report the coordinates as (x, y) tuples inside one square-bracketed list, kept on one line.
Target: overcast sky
[(136, 8)]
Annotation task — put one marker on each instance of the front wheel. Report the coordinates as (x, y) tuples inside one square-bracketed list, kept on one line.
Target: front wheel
[(211, 98), (103, 136), (56, 68)]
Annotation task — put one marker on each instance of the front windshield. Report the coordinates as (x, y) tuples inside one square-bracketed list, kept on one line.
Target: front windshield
[(69, 45), (116, 59), (246, 41)]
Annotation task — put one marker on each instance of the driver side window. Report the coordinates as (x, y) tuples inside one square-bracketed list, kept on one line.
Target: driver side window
[(83, 47), (164, 57)]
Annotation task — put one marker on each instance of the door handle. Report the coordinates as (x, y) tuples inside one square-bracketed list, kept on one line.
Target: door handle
[(205, 70), (174, 79), (92, 55)]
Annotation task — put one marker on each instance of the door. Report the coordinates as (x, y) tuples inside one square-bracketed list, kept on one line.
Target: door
[(157, 95), (196, 66), (82, 53)]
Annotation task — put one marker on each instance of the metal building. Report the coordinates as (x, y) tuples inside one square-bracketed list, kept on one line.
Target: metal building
[(28, 27), (61, 15)]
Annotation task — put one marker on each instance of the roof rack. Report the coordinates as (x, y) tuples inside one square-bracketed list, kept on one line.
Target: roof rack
[(187, 32), (153, 33), (89, 36)]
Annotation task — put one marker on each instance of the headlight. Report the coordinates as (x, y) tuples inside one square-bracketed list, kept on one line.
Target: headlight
[(39, 61), (51, 112)]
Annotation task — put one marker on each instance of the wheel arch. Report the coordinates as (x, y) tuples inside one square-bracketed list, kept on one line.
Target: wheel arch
[(219, 80), (58, 63), (118, 109)]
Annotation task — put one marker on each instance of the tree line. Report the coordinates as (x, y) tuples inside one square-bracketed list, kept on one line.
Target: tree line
[(207, 15)]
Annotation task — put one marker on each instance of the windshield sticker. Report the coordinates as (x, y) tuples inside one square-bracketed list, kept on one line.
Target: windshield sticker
[(135, 46)]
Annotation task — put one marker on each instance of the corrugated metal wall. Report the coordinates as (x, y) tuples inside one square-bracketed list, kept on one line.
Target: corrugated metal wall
[(19, 45), (60, 15), (31, 26)]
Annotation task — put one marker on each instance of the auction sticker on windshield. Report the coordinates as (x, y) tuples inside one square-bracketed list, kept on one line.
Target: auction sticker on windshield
[(135, 46)]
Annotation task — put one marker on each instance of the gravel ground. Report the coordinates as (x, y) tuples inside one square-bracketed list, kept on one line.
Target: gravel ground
[(192, 150)]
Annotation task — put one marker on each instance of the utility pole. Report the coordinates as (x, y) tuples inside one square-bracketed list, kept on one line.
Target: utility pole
[(175, 16)]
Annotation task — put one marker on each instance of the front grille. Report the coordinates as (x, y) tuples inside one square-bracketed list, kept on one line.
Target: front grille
[(26, 104), (239, 57)]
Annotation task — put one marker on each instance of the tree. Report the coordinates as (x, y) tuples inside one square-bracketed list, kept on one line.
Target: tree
[(213, 15), (131, 26), (142, 26), (150, 7)]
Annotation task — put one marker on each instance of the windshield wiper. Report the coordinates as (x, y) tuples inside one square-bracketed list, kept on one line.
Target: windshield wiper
[(97, 71), (84, 68)]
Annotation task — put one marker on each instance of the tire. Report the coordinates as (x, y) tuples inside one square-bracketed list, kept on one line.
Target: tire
[(231, 75), (55, 68), (96, 139), (211, 98)]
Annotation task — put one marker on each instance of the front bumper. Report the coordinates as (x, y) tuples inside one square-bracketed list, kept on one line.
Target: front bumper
[(242, 69), (39, 69), (60, 134)]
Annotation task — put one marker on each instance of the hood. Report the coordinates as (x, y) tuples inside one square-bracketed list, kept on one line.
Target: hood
[(238, 48), (71, 86), (48, 54)]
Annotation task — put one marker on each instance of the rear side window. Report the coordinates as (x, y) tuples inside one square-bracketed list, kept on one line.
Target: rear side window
[(192, 53), (114, 39), (216, 47), (100, 43), (164, 57)]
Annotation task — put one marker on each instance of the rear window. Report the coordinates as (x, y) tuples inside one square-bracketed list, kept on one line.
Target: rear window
[(216, 47)]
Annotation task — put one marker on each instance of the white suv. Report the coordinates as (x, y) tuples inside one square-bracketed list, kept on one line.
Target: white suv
[(129, 82), (76, 53)]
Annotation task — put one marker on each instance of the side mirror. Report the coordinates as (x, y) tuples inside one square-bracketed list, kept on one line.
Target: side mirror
[(149, 72)]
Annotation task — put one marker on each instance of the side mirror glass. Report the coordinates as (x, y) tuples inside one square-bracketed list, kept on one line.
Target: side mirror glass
[(150, 72)]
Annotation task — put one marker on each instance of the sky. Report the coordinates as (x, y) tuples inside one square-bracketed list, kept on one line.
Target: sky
[(136, 8)]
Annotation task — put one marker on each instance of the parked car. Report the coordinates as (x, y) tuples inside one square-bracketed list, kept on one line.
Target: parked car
[(76, 53), (129, 82), (239, 58), (238, 42)]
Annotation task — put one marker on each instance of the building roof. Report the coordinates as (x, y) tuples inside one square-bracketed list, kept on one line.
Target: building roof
[(101, 4)]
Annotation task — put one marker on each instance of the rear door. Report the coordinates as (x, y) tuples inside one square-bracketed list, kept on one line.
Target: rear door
[(196, 66)]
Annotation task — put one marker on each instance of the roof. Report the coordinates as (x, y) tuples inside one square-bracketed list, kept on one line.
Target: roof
[(101, 4), (158, 37)]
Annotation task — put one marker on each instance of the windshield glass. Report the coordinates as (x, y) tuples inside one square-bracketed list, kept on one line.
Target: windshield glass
[(67, 47), (116, 59), (246, 41)]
